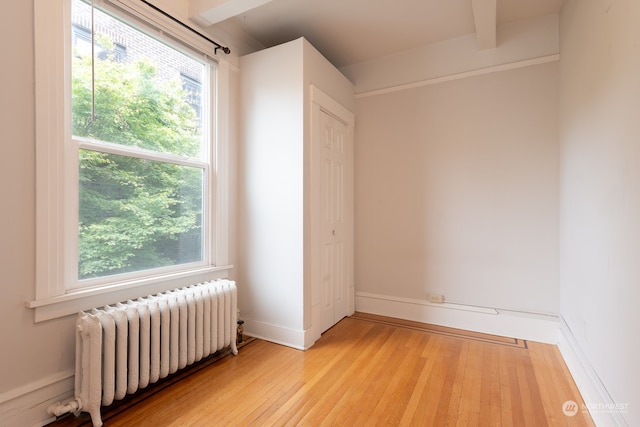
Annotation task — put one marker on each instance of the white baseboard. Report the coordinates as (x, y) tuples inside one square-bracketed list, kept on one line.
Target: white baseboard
[(528, 326), (603, 410), (277, 334), (27, 405)]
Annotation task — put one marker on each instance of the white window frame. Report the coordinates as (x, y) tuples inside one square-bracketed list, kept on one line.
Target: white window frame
[(53, 298)]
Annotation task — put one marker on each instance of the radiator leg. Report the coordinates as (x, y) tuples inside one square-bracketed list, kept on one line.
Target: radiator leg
[(75, 406), (96, 418)]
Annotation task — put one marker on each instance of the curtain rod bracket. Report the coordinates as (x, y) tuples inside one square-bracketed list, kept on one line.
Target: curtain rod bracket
[(225, 49)]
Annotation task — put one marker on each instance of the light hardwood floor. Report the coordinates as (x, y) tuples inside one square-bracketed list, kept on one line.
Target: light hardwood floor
[(369, 371)]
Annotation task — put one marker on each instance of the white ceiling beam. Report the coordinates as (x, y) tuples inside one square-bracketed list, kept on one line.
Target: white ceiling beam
[(209, 12), (484, 15)]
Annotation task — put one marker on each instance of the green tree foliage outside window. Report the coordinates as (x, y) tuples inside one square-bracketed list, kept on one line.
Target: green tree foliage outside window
[(134, 213)]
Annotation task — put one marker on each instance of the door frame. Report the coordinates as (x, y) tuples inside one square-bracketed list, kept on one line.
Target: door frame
[(320, 101)]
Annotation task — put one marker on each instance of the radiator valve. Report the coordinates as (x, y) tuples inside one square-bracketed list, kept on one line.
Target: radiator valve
[(240, 335)]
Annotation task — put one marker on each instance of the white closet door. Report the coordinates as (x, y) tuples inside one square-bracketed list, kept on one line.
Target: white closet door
[(333, 225)]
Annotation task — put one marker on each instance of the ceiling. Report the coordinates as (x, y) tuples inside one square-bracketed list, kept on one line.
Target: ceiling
[(352, 31)]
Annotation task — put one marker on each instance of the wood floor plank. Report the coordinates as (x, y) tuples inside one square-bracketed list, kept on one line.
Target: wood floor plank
[(553, 377), (395, 405), (364, 372), (454, 367), (491, 389), (443, 383), (379, 378), (392, 395), (344, 411), (376, 338), (453, 399), (425, 392), (470, 405)]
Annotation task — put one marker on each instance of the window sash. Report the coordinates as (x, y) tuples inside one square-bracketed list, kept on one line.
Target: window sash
[(72, 214)]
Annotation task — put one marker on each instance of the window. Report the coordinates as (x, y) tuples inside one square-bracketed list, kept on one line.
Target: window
[(133, 181), (141, 150)]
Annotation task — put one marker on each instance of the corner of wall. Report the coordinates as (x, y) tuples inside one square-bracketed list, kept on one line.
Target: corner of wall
[(298, 339), (603, 409)]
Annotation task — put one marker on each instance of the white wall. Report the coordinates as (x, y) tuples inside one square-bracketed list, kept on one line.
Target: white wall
[(271, 179), (32, 355), (600, 181), (456, 181), (456, 191)]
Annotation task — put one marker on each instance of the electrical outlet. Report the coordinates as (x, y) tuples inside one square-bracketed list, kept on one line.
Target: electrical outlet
[(436, 298)]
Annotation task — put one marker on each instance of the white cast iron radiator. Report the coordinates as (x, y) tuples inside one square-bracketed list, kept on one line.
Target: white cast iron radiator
[(125, 347)]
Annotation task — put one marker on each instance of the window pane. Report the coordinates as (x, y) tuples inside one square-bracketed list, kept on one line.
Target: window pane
[(137, 214), (144, 93)]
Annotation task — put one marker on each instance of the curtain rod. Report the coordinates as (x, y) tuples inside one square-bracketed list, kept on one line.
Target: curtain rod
[(218, 45)]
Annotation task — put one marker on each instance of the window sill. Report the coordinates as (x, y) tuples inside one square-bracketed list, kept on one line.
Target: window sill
[(84, 299)]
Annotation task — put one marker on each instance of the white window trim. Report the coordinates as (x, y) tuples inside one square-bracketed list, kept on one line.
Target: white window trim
[(52, 42)]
